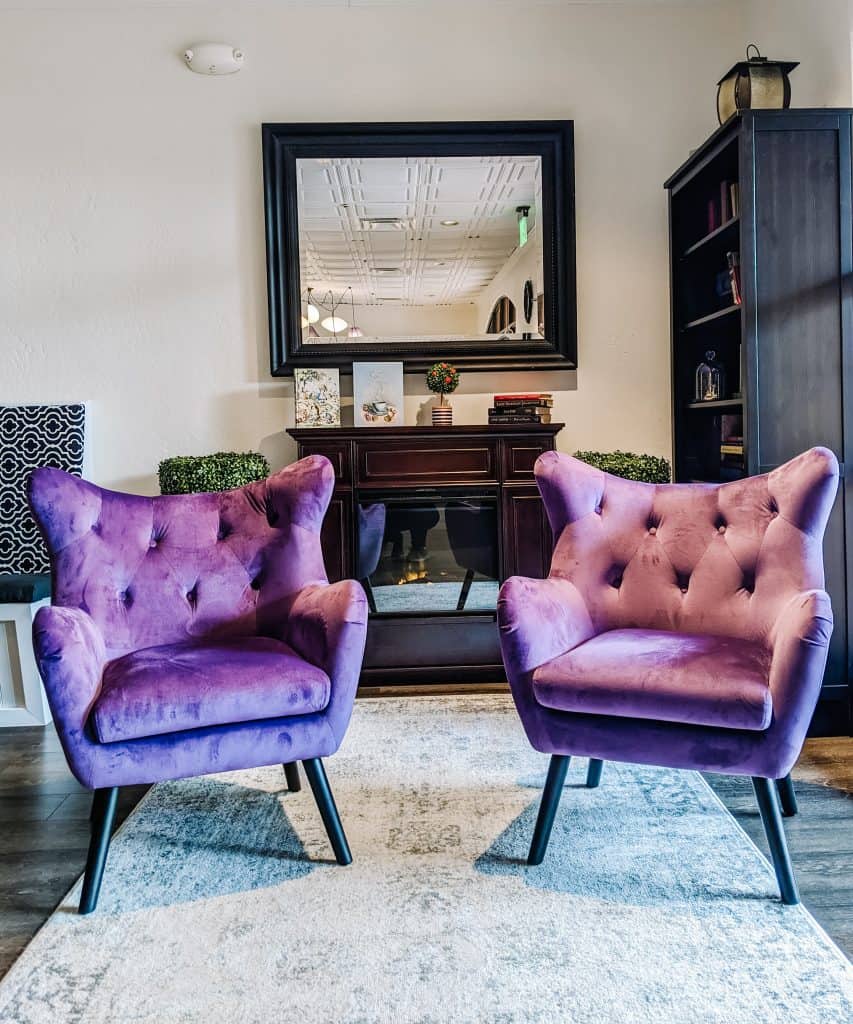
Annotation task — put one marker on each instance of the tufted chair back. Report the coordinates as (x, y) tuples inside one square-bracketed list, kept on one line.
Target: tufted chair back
[(699, 558), (160, 570)]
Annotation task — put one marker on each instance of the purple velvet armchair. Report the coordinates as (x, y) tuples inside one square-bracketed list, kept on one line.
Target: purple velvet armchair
[(681, 625), (195, 633)]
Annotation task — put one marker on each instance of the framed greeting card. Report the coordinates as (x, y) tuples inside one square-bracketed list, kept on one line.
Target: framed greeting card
[(377, 390), (318, 397)]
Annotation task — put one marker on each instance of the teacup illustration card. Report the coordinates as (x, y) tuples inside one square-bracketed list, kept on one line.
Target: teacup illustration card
[(377, 394)]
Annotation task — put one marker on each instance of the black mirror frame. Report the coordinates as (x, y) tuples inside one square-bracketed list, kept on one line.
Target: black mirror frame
[(283, 144)]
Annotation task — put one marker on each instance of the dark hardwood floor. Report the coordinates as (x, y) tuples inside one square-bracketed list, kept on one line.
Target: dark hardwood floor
[(44, 832)]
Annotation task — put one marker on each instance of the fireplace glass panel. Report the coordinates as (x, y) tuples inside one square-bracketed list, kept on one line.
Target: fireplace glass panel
[(436, 553)]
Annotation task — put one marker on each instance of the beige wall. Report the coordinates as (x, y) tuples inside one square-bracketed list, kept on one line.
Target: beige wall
[(814, 32), (132, 259)]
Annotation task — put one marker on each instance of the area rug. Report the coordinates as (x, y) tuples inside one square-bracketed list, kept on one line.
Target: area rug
[(221, 901)]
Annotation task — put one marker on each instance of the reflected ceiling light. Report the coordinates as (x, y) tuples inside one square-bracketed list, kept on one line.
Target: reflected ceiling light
[(305, 322), (449, 223), (327, 307), (334, 324)]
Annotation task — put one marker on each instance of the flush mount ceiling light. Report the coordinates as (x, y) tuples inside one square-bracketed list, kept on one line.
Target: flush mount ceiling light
[(214, 58), (449, 223)]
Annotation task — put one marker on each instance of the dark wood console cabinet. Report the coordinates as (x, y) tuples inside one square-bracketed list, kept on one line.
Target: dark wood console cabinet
[(495, 463)]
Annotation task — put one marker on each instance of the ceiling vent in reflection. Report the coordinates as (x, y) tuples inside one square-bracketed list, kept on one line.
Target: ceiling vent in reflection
[(385, 223)]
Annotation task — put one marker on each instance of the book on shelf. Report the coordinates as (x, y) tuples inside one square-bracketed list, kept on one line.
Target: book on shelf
[(518, 417), (534, 407), (724, 206), (725, 202), (538, 397), (713, 223), (731, 449)]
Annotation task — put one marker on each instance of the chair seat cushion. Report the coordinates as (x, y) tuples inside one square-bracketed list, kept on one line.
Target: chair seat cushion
[(212, 682), (672, 677)]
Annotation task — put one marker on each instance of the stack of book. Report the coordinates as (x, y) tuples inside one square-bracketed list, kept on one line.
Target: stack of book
[(724, 209), (731, 448), (529, 407)]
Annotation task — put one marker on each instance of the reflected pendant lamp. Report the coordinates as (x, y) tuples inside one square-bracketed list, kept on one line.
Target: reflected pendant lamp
[(354, 331), (334, 324)]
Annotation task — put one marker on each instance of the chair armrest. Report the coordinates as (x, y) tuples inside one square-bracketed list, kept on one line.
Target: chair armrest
[(327, 626), (539, 620), (70, 654), (800, 643)]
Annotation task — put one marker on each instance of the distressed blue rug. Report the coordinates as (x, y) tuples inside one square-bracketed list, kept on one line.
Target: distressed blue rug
[(221, 902)]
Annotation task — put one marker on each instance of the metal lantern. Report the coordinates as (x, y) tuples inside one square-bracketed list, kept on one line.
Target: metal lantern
[(756, 82), (710, 379)]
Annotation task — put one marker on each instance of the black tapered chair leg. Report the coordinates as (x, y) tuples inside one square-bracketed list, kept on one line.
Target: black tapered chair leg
[(548, 807), (368, 593), (466, 586), (291, 775), (102, 817), (319, 784), (768, 806), (593, 773), (787, 796)]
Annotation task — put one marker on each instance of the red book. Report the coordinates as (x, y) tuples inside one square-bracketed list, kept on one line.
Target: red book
[(523, 396), (713, 223)]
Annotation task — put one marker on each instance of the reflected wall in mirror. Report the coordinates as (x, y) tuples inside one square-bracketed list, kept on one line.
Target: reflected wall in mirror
[(416, 242), (401, 249)]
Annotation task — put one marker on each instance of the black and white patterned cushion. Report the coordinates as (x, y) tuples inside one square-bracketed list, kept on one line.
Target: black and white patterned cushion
[(31, 436)]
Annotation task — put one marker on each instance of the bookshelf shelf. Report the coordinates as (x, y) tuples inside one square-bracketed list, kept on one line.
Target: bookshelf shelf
[(711, 317), (722, 230), (720, 403), (757, 212)]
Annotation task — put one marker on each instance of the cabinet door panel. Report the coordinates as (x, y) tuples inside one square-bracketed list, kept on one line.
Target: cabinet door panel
[(520, 454), (527, 538), (335, 538)]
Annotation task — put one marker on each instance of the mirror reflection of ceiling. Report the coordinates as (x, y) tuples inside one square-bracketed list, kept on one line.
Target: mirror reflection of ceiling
[(412, 231)]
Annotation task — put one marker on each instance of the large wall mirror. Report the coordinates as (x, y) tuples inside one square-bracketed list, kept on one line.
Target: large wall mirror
[(420, 242)]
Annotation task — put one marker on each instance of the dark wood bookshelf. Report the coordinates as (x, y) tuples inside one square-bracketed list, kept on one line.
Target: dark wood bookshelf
[(788, 353)]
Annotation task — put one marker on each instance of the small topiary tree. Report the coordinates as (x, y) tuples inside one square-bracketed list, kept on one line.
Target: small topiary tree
[(442, 379), (650, 469), (192, 474)]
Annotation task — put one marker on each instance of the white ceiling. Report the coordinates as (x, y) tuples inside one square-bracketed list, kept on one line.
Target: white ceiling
[(423, 262), (107, 5)]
